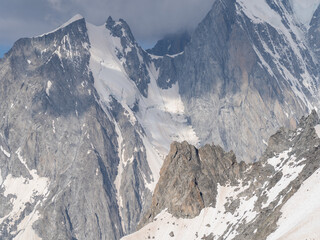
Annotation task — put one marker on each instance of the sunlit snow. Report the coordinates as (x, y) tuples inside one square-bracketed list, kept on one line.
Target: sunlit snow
[(300, 215), (304, 10), (25, 191), (317, 128)]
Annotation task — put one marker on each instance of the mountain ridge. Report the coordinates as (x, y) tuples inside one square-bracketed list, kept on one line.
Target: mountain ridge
[(86, 106)]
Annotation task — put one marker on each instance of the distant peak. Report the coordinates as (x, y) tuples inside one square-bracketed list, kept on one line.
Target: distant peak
[(171, 44), (117, 27), (71, 20), (110, 21)]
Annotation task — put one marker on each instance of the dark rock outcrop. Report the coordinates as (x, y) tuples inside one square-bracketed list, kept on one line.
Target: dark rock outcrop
[(171, 44), (189, 178)]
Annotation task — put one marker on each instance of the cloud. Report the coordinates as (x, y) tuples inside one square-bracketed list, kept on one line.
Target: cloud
[(149, 19)]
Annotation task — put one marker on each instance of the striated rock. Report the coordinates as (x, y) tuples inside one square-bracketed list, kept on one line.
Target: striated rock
[(313, 33)]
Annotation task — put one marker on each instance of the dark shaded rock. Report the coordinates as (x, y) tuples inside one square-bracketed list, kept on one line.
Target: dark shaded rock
[(171, 44)]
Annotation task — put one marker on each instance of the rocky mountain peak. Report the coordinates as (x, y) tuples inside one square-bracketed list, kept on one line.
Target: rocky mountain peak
[(244, 62), (189, 178), (134, 59), (120, 29)]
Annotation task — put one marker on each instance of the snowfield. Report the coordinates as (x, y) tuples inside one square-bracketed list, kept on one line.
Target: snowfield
[(300, 215)]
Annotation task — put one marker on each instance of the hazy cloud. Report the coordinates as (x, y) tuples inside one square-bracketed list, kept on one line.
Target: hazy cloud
[(148, 19)]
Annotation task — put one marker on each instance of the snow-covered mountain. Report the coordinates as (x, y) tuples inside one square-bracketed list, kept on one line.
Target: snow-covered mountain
[(88, 116), (82, 108)]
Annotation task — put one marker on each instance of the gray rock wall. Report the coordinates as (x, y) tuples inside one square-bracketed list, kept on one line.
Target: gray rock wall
[(50, 113), (241, 79)]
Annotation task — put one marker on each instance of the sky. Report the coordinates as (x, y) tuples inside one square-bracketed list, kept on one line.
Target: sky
[(149, 20)]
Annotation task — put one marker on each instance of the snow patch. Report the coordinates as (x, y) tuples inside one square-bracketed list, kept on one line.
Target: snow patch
[(317, 128), (290, 168), (121, 164), (277, 160), (304, 10), (49, 84), (175, 55), (300, 214), (5, 152), (109, 75), (259, 11), (25, 227), (53, 127), (25, 191), (264, 142)]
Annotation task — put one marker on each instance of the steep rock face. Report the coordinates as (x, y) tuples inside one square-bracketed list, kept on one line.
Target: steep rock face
[(247, 201), (247, 71), (113, 55), (314, 33), (54, 151)]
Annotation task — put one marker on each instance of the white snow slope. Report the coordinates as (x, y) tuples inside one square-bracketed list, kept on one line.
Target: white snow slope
[(304, 10), (300, 215)]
